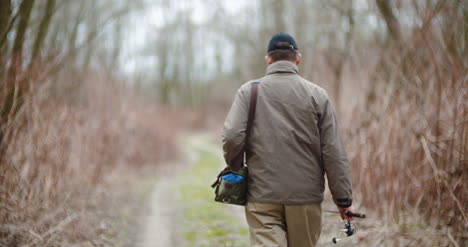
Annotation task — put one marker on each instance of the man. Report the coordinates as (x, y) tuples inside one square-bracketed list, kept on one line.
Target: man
[(294, 142)]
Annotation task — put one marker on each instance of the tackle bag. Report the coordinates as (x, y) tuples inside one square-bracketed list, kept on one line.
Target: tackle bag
[(231, 184)]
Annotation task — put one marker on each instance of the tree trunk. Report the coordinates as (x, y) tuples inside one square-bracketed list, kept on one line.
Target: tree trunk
[(114, 63), (278, 9), (14, 91), (386, 10), (74, 33), (464, 30), (5, 16), (16, 61), (43, 29), (92, 25)]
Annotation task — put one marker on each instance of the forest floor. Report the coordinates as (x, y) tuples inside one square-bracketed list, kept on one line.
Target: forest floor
[(182, 212)]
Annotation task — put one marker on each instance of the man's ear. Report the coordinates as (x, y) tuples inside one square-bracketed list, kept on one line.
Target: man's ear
[(268, 59), (298, 58)]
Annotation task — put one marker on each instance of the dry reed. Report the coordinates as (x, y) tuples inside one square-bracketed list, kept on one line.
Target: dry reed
[(65, 143), (403, 113)]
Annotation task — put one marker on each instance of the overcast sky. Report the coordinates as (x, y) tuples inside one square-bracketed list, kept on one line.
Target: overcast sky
[(141, 27)]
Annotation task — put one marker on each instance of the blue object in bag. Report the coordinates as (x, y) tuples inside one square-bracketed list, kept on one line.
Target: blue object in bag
[(233, 178)]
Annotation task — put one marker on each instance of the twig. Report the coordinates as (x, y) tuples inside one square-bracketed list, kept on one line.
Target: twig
[(3, 205), (432, 163), (451, 239), (52, 230), (35, 234), (459, 205)]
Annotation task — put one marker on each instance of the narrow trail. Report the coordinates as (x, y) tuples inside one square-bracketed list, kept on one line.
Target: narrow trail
[(181, 208), (159, 226), (182, 211)]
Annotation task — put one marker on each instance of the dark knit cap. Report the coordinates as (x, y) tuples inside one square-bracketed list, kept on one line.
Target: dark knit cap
[(282, 41)]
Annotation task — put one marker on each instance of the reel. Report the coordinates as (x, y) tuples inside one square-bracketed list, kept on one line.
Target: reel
[(348, 229)]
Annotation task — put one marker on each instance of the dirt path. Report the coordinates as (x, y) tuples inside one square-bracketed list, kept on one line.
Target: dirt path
[(181, 207), (159, 225)]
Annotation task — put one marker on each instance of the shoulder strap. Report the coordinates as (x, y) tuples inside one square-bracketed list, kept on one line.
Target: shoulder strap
[(252, 108), (238, 162)]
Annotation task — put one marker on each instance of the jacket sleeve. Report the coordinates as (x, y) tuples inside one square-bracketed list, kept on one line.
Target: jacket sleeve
[(235, 125), (334, 156)]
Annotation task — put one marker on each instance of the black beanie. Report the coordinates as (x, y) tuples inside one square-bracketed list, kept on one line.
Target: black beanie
[(282, 41)]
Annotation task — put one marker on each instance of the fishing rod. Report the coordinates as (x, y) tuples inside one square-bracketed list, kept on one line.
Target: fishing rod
[(348, 229)]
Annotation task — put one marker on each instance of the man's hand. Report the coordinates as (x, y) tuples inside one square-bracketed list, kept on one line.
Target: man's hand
[(343, 213)]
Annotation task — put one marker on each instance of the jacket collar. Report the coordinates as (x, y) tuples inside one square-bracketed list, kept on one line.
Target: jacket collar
[(282, 67)]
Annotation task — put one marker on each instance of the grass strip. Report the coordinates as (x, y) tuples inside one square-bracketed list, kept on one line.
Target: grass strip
[(206, 222)]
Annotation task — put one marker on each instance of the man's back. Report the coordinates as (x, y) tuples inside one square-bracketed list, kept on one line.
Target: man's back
[(284, 157), (285, 149)]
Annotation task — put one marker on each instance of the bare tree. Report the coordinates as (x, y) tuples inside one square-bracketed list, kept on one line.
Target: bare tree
[(388, 14), (13, 90), (43, 29), (5, 17), (24, 15)]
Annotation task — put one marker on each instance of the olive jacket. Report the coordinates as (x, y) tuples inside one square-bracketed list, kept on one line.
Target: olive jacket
[(294, 142)]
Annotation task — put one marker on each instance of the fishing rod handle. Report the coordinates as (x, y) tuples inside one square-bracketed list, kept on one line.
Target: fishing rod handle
[(357, 215)]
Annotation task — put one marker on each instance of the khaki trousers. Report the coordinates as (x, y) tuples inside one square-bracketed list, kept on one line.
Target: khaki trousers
[(277, 225)]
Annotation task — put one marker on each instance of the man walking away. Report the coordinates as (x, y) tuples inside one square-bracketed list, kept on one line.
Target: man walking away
[(294, 142)]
